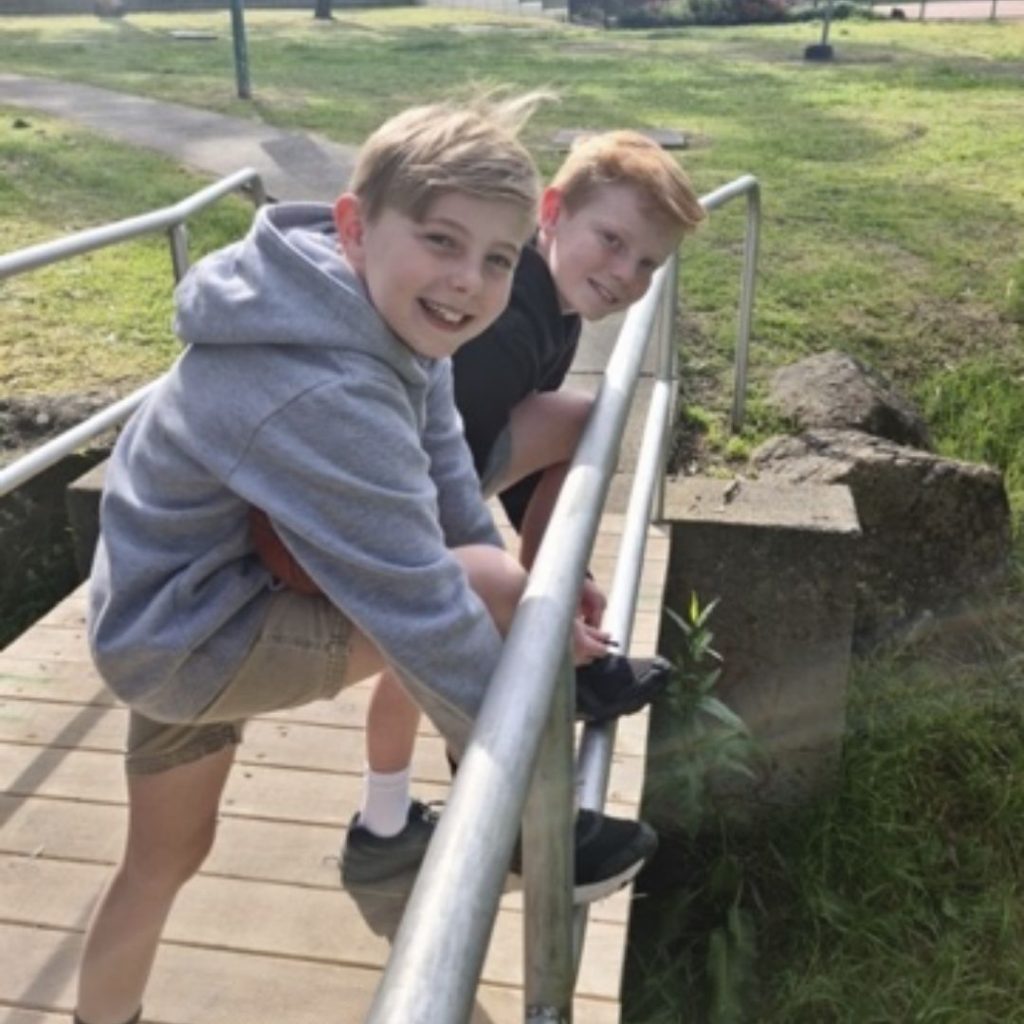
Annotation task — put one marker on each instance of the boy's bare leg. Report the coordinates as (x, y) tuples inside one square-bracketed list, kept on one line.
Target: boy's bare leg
[(389, 744), (171, 824), (393, 717), (538, 512), (391, 723), (172, 817), (544, 430)]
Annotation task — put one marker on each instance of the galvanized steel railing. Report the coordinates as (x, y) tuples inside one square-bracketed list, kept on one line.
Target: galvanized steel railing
[(173, 220), (437, 956), (520, 755)]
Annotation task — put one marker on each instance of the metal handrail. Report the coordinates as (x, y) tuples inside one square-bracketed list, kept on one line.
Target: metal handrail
[(746, 185), (432, 974), (172, 219), (437, 955), (168, 218)]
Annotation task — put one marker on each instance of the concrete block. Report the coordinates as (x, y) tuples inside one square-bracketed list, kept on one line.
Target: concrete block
[(780, 560), (82, 500)]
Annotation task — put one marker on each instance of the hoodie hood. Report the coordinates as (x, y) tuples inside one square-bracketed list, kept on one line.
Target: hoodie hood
[(284, 284)]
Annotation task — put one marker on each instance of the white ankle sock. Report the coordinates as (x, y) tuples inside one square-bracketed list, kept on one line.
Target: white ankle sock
[(386, 802)]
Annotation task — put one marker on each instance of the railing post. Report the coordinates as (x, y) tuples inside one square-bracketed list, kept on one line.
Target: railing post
[(241, 50), (750, 246), (667, 369), (547, 849), (178, 236)]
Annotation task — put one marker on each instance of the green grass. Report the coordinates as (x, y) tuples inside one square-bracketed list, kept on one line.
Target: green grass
[(893, 219), (892, 224), (898, 896), (102, 319)]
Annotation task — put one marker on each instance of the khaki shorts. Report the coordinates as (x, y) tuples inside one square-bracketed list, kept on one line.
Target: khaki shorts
[(497, 462), (299, 656)]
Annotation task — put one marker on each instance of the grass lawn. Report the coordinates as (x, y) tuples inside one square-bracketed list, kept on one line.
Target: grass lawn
[(893, 225)]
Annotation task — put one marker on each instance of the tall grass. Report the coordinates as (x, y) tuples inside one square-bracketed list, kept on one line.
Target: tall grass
[(977, 413), (895, 897)]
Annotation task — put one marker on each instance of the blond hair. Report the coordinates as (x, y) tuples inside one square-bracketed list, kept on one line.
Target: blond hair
[(471, 148), (629, 158)]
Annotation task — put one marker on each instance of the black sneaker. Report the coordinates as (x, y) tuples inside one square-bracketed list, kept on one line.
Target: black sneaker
[(609, 854), (368, 858), (614, 686)]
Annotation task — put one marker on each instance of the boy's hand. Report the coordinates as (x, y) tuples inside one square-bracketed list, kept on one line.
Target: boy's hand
[(592, 603), (589, 642)]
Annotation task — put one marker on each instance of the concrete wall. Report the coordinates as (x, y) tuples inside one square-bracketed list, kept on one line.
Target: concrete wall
[(779, 557)]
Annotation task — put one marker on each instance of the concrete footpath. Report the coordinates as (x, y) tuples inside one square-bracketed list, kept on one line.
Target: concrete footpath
[(293, 165)]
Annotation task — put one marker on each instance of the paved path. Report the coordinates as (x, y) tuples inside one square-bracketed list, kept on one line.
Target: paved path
[(293, 165), (958, 10)]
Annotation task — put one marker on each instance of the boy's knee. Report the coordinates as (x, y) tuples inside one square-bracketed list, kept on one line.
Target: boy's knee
[(577, 406), (170, 864), (497, 578), (546, 428)]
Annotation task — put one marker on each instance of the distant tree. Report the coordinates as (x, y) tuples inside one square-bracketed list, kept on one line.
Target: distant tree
[(323, 10)]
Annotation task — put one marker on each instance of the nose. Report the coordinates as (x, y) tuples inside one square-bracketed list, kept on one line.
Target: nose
[(466, 277), (622, 267)]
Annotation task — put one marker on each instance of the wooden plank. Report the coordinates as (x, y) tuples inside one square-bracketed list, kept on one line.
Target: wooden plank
[(210, 986), (285, 853), (268, 741), (267, 744), (291, 922)]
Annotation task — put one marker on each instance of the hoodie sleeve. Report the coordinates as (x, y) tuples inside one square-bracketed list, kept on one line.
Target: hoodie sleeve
[(464, 516), (342, 474)]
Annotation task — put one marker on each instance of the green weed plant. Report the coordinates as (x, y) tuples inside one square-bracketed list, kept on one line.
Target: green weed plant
[(696, 740)]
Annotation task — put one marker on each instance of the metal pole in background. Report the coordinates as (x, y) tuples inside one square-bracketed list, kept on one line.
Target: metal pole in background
[(241, 51), (826, 23)]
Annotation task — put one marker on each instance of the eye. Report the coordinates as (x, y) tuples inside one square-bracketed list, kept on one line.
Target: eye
[(501, 262), (610, 239), (440, 240)]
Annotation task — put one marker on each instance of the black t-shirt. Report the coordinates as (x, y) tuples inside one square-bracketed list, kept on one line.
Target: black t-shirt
[(529, 348)]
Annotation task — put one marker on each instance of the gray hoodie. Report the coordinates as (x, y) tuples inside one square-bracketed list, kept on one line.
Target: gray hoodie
[(292, 396)]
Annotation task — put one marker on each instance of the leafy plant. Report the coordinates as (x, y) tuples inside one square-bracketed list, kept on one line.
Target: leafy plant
[(702, 932), (698, 737)]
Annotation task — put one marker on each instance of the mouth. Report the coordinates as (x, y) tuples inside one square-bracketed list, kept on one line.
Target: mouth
[(604, 294), (445, 317)]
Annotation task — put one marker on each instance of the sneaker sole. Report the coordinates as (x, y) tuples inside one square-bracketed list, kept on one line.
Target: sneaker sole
[(594, 891)]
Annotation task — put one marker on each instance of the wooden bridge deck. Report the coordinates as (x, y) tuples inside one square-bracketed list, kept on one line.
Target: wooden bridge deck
[(265, 934)]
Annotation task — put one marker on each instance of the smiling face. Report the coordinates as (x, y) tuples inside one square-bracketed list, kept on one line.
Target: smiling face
[(439, 281), (602, 256)]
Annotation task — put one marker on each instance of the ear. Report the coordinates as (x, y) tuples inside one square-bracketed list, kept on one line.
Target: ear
[(550, 207), (351, 228)]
